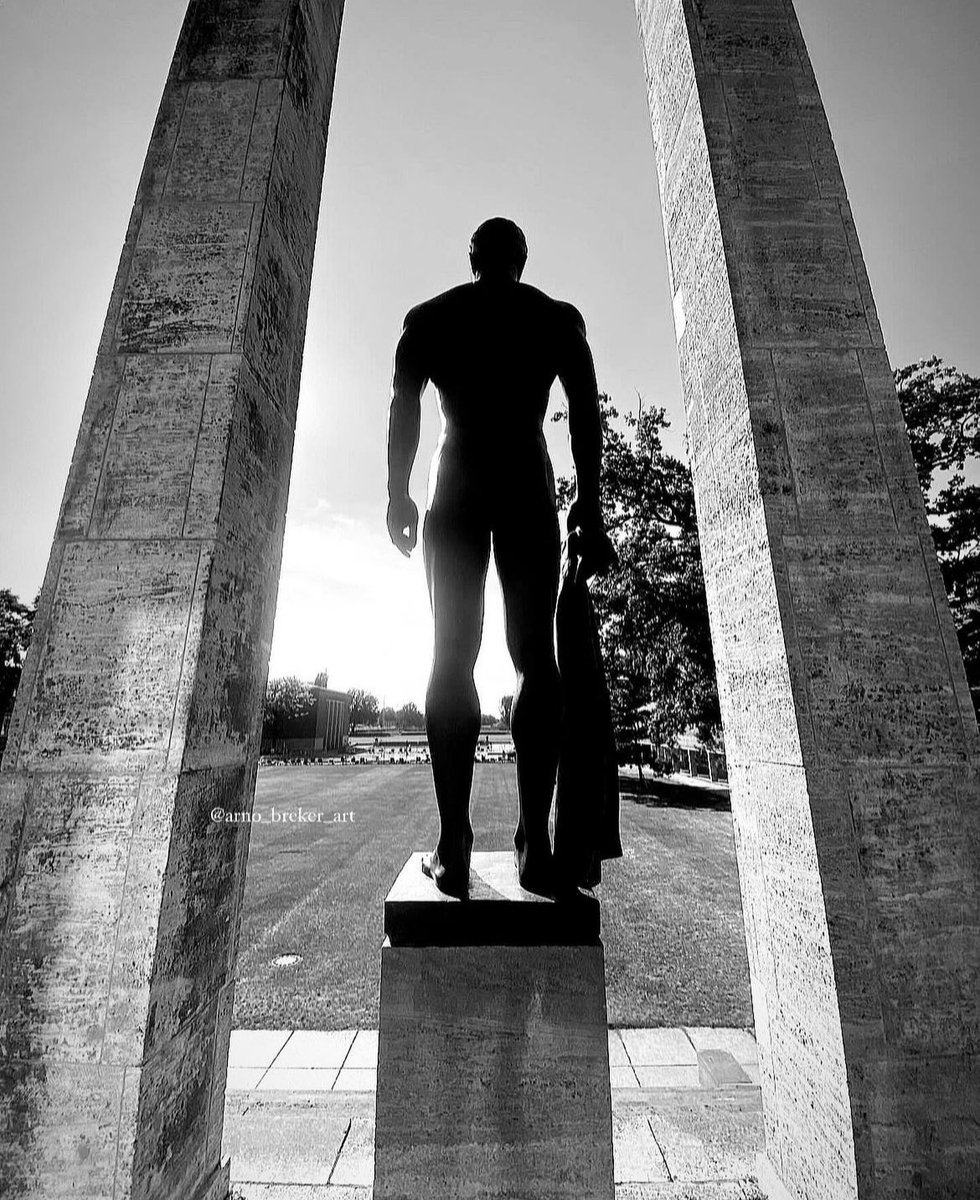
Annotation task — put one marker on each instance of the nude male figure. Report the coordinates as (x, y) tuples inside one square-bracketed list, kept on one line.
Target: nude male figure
[(493, 348)]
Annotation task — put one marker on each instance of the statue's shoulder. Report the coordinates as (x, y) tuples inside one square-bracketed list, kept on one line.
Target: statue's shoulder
[(566, 316), (422, 315)]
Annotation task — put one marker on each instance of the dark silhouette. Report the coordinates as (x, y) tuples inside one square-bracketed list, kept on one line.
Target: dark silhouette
[(493, 348)]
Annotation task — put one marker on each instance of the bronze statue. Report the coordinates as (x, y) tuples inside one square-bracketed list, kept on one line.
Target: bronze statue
[(493, 348)]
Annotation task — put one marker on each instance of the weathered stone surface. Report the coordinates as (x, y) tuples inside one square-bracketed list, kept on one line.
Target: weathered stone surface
[(851, 739), (139, 706), (186, 277), (232, 39), (62, 1126), (66, 896), (93, 436), (110, 661), (149, 457), (209, 154), (493, 1073)]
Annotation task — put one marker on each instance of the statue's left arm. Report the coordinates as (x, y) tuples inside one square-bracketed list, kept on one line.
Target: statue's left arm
[(404, 422), (577, 375)]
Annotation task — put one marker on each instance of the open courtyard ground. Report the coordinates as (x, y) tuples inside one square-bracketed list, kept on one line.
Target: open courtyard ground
[(312, 921)]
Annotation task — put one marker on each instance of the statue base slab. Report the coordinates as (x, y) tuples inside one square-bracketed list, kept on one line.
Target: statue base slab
[(493, 1061), (497, 910)]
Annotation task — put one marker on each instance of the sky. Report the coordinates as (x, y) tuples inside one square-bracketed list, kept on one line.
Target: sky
[(445, 112)]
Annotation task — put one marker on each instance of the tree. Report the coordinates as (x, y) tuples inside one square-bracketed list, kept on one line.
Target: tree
[(651, 612), (386, 718), (364, 708), (942, 411), (409, 717), (289, 710), (506, 704), (16, 627)]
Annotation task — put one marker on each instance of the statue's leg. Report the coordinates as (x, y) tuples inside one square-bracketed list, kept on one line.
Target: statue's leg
[(526, 551), (457, 554)]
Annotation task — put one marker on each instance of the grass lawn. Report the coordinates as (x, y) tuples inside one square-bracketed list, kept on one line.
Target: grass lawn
[(671, 914)]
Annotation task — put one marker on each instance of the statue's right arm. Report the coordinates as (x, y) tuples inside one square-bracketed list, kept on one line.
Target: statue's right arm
[(404, 422)]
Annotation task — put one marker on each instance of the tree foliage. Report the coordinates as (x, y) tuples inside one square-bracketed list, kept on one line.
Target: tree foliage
[(651, 611), (409, 717), (364, 708), (290, 709), (942, 411), (16, 627), (506, 704)]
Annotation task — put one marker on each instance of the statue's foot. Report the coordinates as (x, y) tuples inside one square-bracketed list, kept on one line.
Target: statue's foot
[(453, 878), (535, 870)]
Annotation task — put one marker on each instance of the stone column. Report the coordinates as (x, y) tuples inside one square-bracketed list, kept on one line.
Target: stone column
[(139, 710), (852, 744)]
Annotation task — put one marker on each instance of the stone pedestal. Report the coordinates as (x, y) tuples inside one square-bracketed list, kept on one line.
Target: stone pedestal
[(493, 1063)]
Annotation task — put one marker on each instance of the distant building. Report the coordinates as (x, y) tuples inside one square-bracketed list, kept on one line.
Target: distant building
[(332, 717), (317, 731)]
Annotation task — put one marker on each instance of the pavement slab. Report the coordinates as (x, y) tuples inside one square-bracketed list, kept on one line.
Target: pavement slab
[(637, 1157), (363, 1054), (355, 1166), (659, 1047), (255, 1047), (291, 1138), (739, 1043), (682, 1143), (296, 1191), (709, 1135), (325, 1048)]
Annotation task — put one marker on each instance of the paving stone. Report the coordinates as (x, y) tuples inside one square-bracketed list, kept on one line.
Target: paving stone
[(316, 1048), (255, 1047), (655, 1047), (687, 1076), (297, 1191), (743, 1189), (285, 1143), (623, 1077), (617, 1051), (709, 1135), (298, 1079), (364, 1051), (356, 1079), (356, 1162), (740, 1043), (636, 1155)]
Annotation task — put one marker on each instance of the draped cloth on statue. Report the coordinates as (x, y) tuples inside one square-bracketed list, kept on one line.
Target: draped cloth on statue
[(587, 800)]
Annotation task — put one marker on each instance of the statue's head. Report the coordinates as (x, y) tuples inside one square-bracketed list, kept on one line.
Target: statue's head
[(498, 250)]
